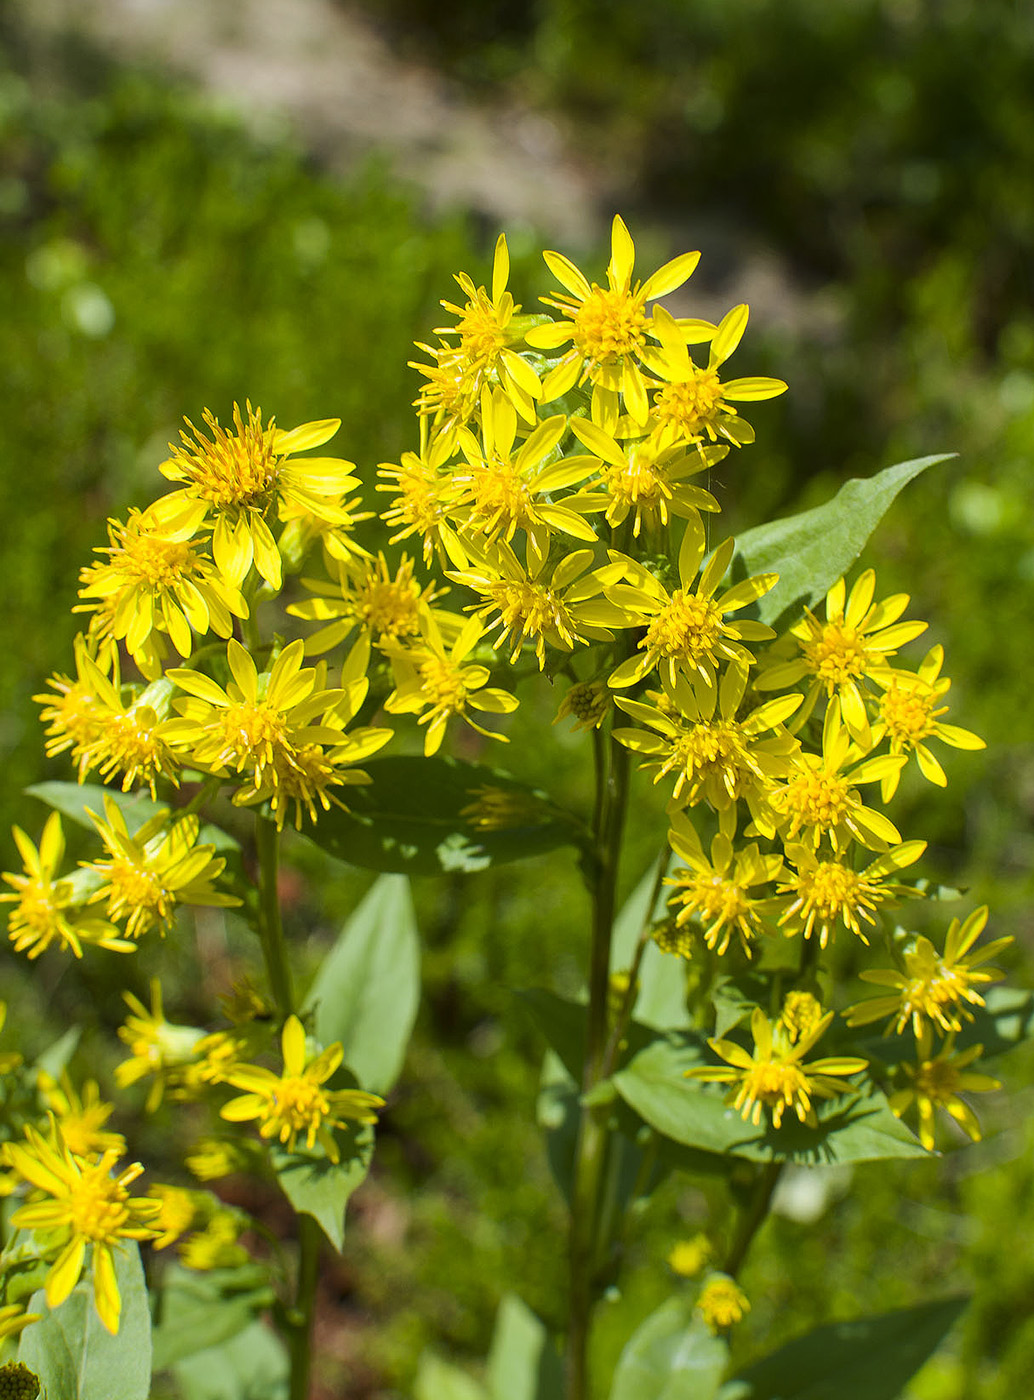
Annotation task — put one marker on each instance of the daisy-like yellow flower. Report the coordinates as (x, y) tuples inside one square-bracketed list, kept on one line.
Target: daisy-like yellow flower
[(722, 1302), (78, 1202), (423, 488), (486, 336), (543, 604), (688, 1257), (687, 631), (716, 892), (281, 731), (821, 896), (500, 490), (155, 581), (240, 476), (158, 1047), (437, 683), (178, 1209), (692, 404), (646, 479), (607, 327), (775, 1075), (820, 799), (910, 714), (216, 1246), (48, 907), (937, 1081), (365, 595), (80, 1116), (932, 988), (697, 739), (850, 647), (118, 736), (296, 1102)]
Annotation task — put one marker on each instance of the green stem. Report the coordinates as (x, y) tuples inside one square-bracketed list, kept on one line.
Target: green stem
[(753, 1216), (270, 928), (300, 1318)]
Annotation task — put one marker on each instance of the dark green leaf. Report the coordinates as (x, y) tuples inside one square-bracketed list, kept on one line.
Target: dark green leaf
[(671, 1356), (367, 990), (523, 1364), (430, 816), (812, 550), (318, 1187), (72, 800), (252, 1365), (857, 1126), (872, 1358), (74, 1355)]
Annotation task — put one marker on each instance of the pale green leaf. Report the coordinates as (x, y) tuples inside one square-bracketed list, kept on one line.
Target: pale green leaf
[(671, 1356), (523, 1363)]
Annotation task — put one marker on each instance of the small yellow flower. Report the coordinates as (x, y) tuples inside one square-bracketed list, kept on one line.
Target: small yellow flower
[(365, 596), (423, 488), (715, 893), (688, 1257), (177, 1212), (78, 1202), (910, 714), (820, 896), (216, 1246), (80, 1116), (157, 1047), (934, 989), (937, 1081), (296, 1102), (800, 1015), (722, 1303), (212, 1158), (775, 1075)]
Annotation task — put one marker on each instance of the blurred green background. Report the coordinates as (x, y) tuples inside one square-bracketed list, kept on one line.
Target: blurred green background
[(866, 168)]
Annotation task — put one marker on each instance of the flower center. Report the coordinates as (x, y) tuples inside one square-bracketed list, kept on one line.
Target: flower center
[(253, 734), (442, 683), (96, 1204), (500, 496), (481, 335), (608, 324), (389, 607), (299, 1102), (39, 907), (712, 898), (529, 610), (819, 799), (938, 1080), (230, 470), (149, 559), (685, 629), (829, 888), (691, 403), (838, 654), (138, 891), (776, 1081), (907, 713), (638, 482)]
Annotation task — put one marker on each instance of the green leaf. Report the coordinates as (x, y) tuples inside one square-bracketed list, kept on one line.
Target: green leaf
[(55, 1058), (72, 1352), (812, 550), (419, 816), (251, 1366), (318, 1187), (72, 800), (523, 1364), (202, 1310), (662, 986), (857, 1126), (671, 1356), (437, 1380), (367, 989), (872, 1358)]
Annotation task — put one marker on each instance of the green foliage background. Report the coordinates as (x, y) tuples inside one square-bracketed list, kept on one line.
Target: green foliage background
[(155, 258)]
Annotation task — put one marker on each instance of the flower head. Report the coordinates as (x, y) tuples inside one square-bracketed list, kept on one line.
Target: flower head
[(822, 895), (938, 1081), (716, 893), (80, 1116), (688, 1257), (722, 1303), (158, 1047), (910, 715)]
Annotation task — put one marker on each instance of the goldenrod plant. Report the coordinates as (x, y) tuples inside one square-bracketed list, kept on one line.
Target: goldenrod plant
[(255, 638)]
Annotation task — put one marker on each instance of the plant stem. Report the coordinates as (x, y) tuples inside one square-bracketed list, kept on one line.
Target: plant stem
[(299, 1337), (612, 767), (753, 1216), (270, 928)]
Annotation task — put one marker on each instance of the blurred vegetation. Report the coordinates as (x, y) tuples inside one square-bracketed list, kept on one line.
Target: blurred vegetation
[(156, 258)]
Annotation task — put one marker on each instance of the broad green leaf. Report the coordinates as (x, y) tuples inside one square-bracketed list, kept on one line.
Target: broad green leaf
[(55, 1058), (671, 1356), (202, 1310), (319, 1187), (74, 1355), (72, 800), (253, 1365), (812, 550), (367, 990), (662, 987), (857, 1126), (430, 816), (562, 1022), (437, 1380), (872, 1358), (523, 1364)]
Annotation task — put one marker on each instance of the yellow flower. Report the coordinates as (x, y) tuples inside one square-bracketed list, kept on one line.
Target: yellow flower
[(823, 895), (212, 1158), (937, 1082), (909, 715), (800, 1015), (239, 476), (715, 757), (364, 595), (157, 1047), (80, 1117), (77, 1202), (152, 873), (693, 404), (688, 1257), (775, 1075), (722, 1303), (216, 1246), (852, 645), (934, 989), (424, 491), (176, 1214), (607, 326), (296, 1102), (48, 907), (715, 893), (686, 631), (155, 581), (435, 684)]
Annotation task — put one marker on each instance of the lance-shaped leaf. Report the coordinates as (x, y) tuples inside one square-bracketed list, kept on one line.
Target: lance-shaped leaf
[(671, 1356), (812, 550), (429, 816)]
